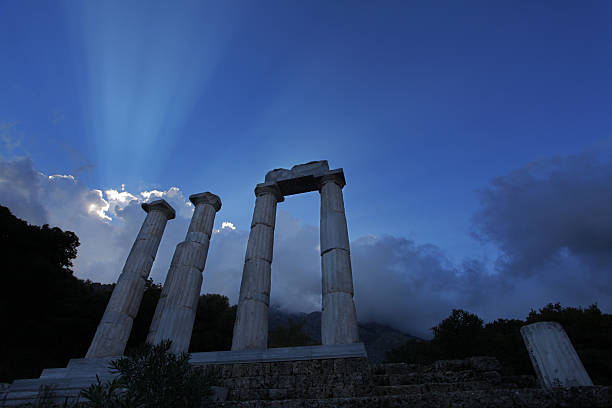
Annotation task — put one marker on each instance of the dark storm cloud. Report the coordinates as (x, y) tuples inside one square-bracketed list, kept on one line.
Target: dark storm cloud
[(552, 219), (412, 287)]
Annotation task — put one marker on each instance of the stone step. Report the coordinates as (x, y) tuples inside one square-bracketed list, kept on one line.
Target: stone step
[(479, 363), (328, 391), (431, 387), (58, 389), (413, 378), (292, 381), (593, 397), (53, 395), (519, 381), (397, 368)]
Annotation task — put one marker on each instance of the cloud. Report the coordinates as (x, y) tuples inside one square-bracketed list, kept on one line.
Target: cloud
[(549, 220), (227, 224), (10, 137), (20, 187), (106, 222)]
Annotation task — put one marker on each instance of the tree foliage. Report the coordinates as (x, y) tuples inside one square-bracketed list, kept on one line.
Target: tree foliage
[(151, 377), (459, 335), (291, 335), (463, 334), (51, 316), (47, 314), (214, 324)]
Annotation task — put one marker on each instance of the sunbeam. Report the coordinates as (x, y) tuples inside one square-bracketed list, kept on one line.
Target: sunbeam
[(144, 75)]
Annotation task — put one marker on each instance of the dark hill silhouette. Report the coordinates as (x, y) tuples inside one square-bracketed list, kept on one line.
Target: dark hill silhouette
[(378, 338)]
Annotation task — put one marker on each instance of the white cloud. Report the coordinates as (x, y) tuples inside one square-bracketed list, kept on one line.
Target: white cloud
[(106, 222), (397, 281), (153, 193), (100, 207), (121, 198), (62, 176)]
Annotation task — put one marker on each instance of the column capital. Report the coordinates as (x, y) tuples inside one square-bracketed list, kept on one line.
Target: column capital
[(334, 176), (269, 188), (160, 205), (206, 198)]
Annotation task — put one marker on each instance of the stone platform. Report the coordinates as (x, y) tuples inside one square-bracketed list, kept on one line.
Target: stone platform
[(316, 379), (67, 382), (351, 382)]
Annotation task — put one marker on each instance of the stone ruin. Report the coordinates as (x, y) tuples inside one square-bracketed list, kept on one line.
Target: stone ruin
[(333, 374)]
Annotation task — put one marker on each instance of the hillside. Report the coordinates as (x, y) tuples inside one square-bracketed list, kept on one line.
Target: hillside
[(378, 338)]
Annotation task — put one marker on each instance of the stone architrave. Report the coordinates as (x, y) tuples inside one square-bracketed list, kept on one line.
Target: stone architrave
[(554, 359), (116, 324), (251, 326), (176, 309), (339, 320)]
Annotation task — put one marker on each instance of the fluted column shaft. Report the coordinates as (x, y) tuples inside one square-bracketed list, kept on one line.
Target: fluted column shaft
[(176, 310), (554, 359), (114, 329), (338, 317), (251, 326)]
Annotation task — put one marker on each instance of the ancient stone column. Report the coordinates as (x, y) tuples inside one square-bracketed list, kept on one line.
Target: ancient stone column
[(114, 328), (338, 317), (176, 309), (251, 326), (553, 357)]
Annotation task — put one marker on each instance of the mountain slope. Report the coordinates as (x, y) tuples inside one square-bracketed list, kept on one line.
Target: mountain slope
[(378, 338)]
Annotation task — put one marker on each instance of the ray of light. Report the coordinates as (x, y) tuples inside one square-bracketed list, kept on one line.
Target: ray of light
[(147, 63)]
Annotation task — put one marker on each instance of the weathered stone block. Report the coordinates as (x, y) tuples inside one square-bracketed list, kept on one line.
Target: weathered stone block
[(191, 253), (255, 282), (265, 210), (336, 272), (261, 243), (339, 319), (554, 359)]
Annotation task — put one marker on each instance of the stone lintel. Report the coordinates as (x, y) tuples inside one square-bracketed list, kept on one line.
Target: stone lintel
[(292, 184), (160, 205), (313, 168), (206, 198)]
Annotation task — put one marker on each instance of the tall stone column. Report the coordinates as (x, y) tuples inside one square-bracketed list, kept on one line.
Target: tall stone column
[(176, 310), (554, 359), (114, 328), (338, 317), (251, 326)]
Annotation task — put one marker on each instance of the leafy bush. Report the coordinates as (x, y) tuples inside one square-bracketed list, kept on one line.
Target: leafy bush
[(151, 377)]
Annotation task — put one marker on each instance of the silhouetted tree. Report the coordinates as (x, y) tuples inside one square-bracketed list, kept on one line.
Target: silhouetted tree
[(143, 319), (462, 334), (459, 335), (502, 339), (47, 314), (214, 324), (291, 335)]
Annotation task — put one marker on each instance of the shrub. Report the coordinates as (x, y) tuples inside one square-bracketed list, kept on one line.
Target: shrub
[(151, 377)]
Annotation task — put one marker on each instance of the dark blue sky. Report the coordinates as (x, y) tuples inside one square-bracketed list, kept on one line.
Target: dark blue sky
[(422, 104)]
